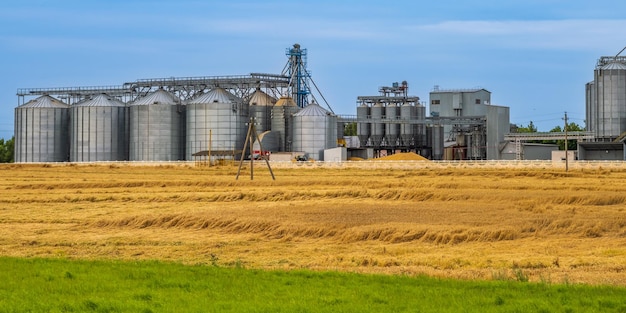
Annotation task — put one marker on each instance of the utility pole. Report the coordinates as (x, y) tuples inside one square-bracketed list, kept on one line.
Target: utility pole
[(565, 129)]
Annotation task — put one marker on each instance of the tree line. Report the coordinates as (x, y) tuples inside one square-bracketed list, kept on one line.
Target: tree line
[(571, 127), (7, 149)]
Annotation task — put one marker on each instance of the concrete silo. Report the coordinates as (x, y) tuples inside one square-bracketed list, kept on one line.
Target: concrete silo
[(42, 131), (314, 129), (261, 109), (99, 130), (156, 128), (216, 121), (282, 114)]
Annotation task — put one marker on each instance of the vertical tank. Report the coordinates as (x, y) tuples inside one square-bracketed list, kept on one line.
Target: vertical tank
[(378, 128), (610, 81), (282, 113), (408, 112), (363, 128), (41, 131), (420, 129), (392, 129), (314, 129), (156, 132), (436, 140), (216, 117), (99, 130), (261, 109)]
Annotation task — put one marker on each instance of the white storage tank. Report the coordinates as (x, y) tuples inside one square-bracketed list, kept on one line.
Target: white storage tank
[(156, 128), (216, 117), (99, 130), (392, 129), (378, 127), (314, 129), (363, 128), (42, 131)]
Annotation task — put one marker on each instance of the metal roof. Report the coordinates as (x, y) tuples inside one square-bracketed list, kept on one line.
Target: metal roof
[(614, 66), (260, 98), (44, 102), (159, 96), (216, 95), (312, 109), (285, 101), (101, 100)]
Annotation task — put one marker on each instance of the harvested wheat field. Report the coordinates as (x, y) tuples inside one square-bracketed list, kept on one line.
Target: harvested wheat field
[(545, 225)]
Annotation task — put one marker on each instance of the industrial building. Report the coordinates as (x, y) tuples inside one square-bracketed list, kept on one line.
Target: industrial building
[(191, 118)]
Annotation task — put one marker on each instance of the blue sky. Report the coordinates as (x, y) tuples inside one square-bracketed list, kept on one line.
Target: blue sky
[(534, 56)]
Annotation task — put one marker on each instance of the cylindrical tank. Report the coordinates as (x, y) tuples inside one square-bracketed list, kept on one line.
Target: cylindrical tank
[(261, 109), (363, 128), (392, 129), (42, 131), (436, 132), (282, 114), (99, 130), (610, 81), (408, 112), (420, 129), (378, 127), (216, 118), (156, 128), (314, 129)]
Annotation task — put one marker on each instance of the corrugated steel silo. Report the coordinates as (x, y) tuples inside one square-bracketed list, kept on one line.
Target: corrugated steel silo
[(314, 129), (99, 130), (156, 128), (363, 128), (378, 127), (610, 81), (216, 117), (282, 114), (41, 131), (261, 109), (408, 112)]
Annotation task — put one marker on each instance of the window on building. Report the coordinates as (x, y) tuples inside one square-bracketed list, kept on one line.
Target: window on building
[(477, 101), (435, 102)]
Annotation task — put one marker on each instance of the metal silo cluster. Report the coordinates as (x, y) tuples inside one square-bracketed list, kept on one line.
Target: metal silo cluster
[(606, 99)]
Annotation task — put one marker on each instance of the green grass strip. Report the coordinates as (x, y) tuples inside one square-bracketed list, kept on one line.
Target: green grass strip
[(60, 285)]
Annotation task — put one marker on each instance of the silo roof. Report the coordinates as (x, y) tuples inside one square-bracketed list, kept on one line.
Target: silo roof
[(44, 101), (219, 95), (159, 96), (261, 98), (312, 109), (285, 101), (614, 66), (101, 100)]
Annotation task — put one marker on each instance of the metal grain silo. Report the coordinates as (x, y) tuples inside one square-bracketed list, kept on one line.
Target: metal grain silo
[(99, 130), (363, 127), (435, 140), (216, 121), (261, 109), (392, 128), (378, 128), (282, 114), (156, 128), (41, 131), (610, 93), (408, 112), (314, 129)]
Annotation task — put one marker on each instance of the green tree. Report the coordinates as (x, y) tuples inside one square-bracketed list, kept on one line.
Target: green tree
[(350, 129), (571, 144), (531, 128), (7, 149)]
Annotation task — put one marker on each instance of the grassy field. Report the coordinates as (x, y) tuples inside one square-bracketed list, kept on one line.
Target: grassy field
[(537, 225), (60, 285)]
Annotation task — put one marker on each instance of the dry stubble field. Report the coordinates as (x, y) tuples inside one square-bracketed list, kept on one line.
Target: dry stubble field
[(545, 225)]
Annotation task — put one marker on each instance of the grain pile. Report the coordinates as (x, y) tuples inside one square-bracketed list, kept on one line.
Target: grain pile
[(404, 156)]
